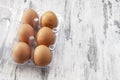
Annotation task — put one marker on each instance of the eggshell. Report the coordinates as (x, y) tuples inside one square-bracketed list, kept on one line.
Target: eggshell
[(25, 32), (42, 55), (45, 36), (21, 52), (49, 19), (28, 17)]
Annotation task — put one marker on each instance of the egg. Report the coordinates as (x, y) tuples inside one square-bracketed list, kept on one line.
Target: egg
[(42, 55), (28, 17), (49, 19), (21, 52), (45, 36), (25, 32)]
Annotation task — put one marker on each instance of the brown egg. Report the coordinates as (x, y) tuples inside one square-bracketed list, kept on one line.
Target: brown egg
[(24, 33), (45, 36), (49, 19), (42, 55), (28, 17), (21, 52)]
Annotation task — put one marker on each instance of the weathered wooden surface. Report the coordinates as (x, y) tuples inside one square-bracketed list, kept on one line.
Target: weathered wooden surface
[(88, 46)]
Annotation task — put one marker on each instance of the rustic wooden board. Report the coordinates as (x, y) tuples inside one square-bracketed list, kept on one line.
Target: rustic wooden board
[(87, 46)]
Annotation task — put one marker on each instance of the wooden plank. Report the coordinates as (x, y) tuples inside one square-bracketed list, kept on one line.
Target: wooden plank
[(87, 46)]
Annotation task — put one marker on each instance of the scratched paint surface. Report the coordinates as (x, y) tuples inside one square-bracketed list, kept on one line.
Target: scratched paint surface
[(87, 47)]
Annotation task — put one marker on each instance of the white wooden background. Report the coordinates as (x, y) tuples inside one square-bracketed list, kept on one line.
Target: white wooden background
[(88, 46)]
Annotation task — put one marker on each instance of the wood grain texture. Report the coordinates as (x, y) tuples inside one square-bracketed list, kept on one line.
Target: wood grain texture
[(87, 46)]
